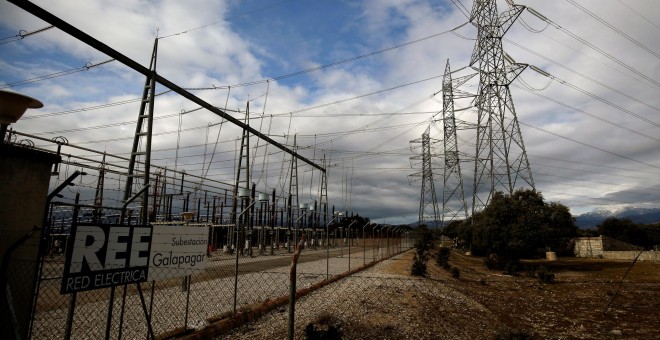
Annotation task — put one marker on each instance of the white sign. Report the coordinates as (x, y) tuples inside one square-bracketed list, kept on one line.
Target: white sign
[(100, 256), (177, 251)]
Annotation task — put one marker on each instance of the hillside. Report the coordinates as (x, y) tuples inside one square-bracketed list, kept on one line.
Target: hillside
[(637, 215)]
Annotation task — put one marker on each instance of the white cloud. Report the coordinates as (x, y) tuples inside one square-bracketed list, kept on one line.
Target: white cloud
[(374, 152)]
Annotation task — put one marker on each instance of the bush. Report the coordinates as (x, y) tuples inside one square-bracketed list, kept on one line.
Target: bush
[(442, 257), (544, 275), (512, 267), (493, 262), (513, 334), (326, 327), (455, 272), (418, 267)]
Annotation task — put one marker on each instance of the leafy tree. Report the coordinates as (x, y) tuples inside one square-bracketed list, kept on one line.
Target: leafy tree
[(625, 230), (615, 227), (515, 226)]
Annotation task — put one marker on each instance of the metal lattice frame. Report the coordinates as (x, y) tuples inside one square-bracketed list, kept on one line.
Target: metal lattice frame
[(142, 139), (452, 180), (428, 201), (501, 162)]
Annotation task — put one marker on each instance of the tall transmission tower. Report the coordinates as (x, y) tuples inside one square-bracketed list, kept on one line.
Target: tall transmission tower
[(501, 162), (428, 201), (453, 191)]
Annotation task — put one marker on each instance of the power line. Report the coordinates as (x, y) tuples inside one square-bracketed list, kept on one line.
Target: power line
[(640, 15), (588, 114), (590, 146), (224, 20), (89, 108), (604, 22), (592, 46), (597, 165), (23, 34), (335, 63), (86, 67), (540, 55)]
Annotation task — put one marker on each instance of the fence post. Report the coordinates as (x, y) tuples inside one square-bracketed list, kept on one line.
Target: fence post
[(292, 287)]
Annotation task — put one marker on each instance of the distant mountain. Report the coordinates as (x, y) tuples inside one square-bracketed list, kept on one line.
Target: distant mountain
[(594, 218), (637, 215)]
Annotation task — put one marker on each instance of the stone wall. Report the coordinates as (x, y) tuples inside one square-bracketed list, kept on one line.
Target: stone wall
[(609, 248), (630, 255), (590, 247)]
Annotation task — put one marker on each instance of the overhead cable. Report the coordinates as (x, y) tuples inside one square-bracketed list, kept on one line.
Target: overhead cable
[(589, 145), (540, 55), (335, 63), (224, 20), (613, 28), (593, 47), (85, 67), (23, 34)]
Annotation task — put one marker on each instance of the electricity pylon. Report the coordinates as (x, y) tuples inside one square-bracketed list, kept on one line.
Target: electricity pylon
[(501, 162), (453, 191), (428, 202)]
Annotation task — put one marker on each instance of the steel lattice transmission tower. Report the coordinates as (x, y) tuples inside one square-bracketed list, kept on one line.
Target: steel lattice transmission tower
[(428, 202), (453, 191), (501, 162)]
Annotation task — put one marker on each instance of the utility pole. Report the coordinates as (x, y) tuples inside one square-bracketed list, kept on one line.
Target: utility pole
[(501, 162)]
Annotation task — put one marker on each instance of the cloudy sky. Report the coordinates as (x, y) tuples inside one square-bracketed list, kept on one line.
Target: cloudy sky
[(355, 82)]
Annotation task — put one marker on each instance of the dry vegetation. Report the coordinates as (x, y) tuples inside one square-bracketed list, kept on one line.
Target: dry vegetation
[(387, 303), (574, 306)]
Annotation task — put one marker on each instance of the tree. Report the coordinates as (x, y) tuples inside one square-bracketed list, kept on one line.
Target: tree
[(515, 226), (625, 230), (423, 246)]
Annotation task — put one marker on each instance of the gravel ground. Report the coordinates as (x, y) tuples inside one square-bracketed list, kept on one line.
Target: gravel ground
[(377, 304), (385, 302), (209, 297)]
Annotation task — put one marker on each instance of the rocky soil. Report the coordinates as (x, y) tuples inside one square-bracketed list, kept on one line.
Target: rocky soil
[(587, 300)]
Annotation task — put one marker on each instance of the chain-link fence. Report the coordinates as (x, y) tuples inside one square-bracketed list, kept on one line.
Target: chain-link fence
[(385, 302), (236, 280)]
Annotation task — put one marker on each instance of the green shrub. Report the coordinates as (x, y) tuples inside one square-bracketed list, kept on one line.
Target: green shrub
[(455, 272), (418, 267), (544, 275), (493, 262), (442, 257)]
